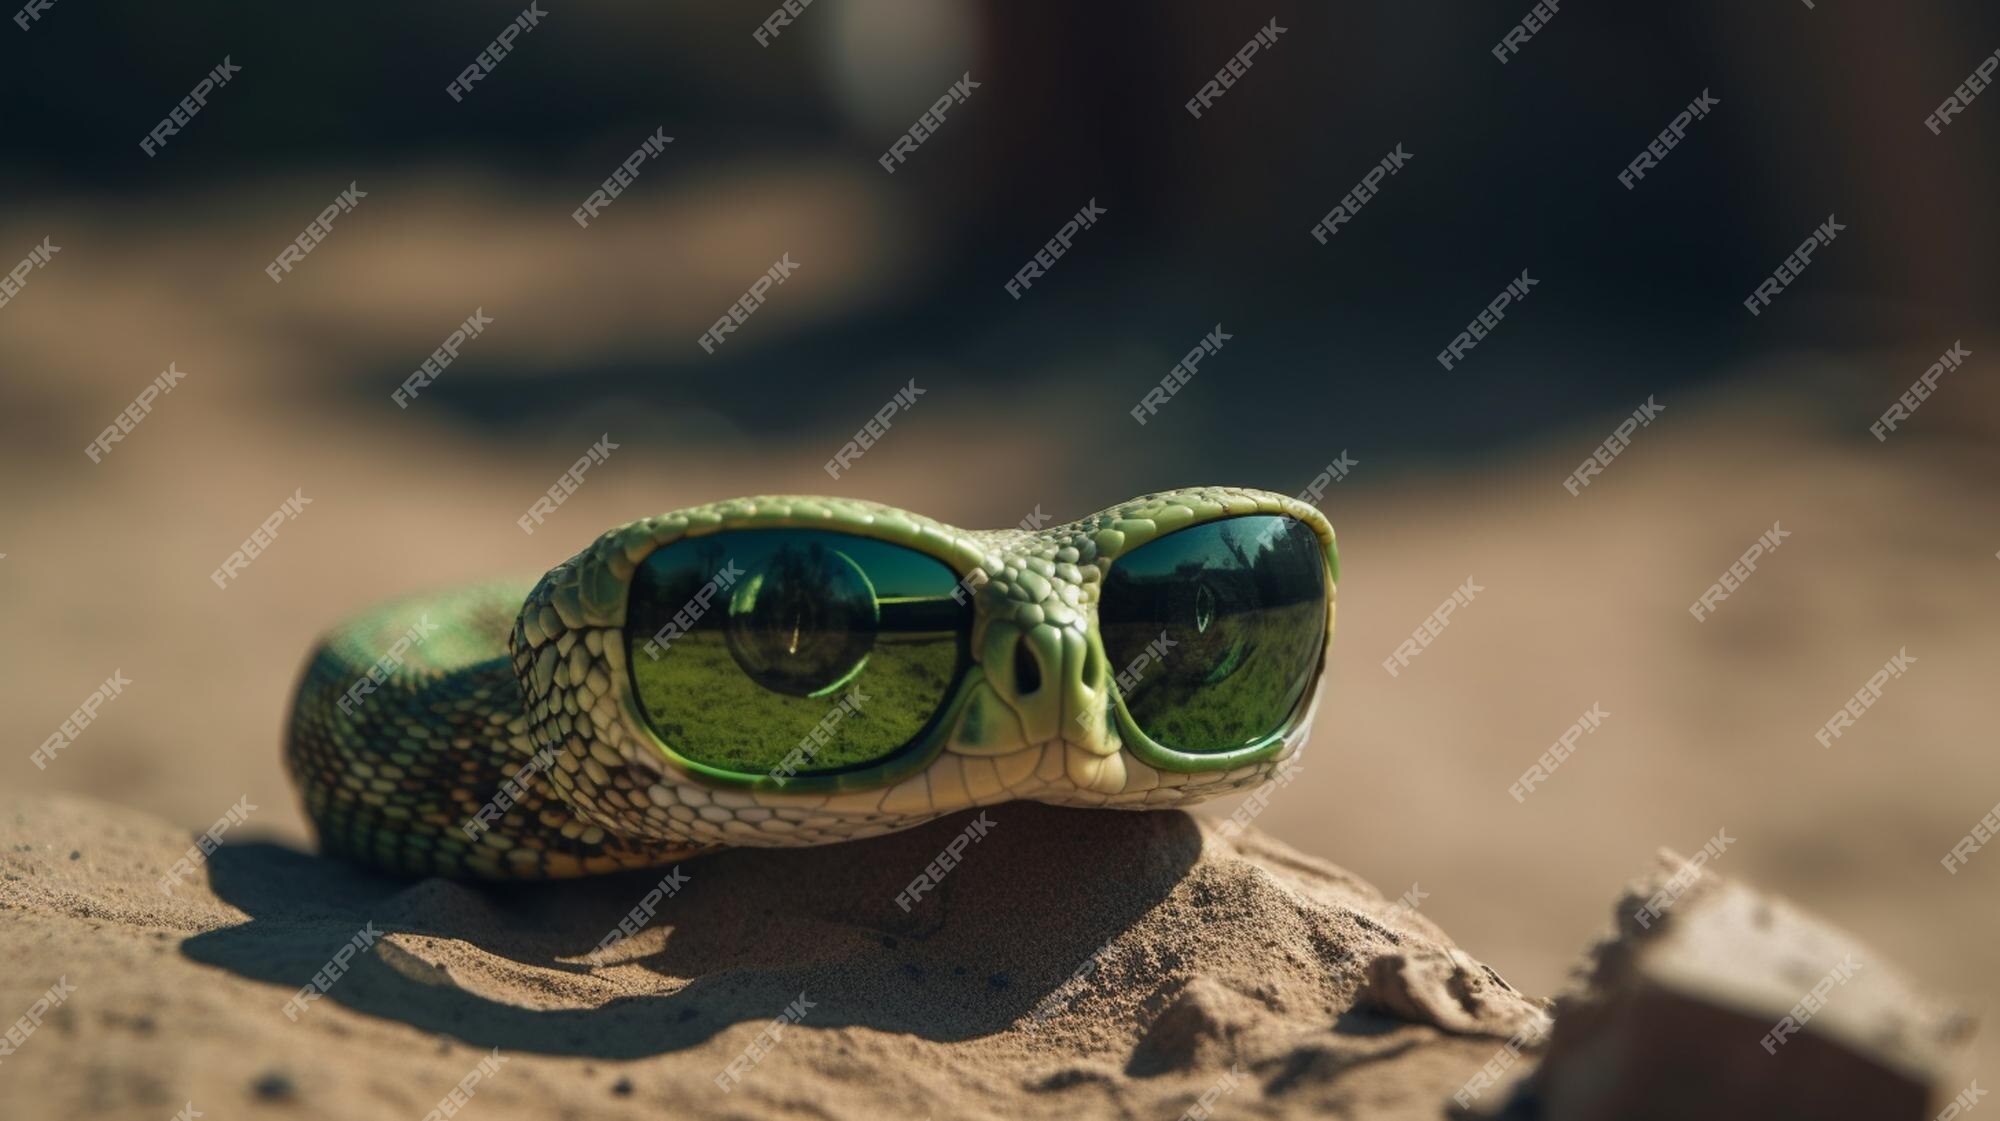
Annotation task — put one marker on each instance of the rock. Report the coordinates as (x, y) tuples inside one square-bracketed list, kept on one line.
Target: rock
[(1714, 1001), (1446, 987)]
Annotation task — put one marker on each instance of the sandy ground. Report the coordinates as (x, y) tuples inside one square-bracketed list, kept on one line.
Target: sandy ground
[(1585, 599), (1074, 964)]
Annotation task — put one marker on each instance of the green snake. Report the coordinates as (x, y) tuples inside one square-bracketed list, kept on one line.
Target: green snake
[(785, 671)]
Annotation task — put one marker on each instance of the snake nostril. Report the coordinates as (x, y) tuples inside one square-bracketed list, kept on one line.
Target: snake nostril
[(1027, 670)]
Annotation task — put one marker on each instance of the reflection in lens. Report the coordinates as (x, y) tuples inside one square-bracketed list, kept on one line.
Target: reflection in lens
[(805, 622), (1213, 632), (802, 650)]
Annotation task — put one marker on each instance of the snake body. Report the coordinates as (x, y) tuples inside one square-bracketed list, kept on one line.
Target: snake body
[(505, 743)]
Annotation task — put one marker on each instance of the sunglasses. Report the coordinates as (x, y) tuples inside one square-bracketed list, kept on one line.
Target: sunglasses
[(825, 645)]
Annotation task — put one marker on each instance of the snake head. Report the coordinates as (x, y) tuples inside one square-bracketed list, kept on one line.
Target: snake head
[(698, 676)]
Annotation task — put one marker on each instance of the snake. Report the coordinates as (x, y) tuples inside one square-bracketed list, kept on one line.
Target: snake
[(781, 671)]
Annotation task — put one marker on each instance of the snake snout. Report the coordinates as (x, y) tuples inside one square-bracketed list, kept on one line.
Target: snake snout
[(1053, 678)]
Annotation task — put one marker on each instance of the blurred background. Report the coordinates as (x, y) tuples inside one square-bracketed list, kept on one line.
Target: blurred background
[(1456, 473)]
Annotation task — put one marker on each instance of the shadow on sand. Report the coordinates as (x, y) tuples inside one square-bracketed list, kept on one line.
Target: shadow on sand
[(743, 936)]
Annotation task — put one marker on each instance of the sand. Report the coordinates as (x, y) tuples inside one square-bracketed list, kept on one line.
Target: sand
[(1406, 781), (1075, 963)]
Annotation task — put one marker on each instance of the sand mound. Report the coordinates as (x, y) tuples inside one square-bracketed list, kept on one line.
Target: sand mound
[(1073, 962)]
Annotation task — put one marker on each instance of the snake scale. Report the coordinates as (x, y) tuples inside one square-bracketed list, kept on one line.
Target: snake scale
[(495, 732)]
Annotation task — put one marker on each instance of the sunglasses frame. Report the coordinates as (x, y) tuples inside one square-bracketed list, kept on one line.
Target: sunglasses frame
[(907, 759), (596, 585), (1159, 756)]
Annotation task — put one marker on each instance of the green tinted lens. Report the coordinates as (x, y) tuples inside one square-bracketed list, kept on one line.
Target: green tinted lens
[(801, 650), (1213, 632)]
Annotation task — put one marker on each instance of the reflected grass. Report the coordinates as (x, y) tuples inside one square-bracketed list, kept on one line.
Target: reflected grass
[(1230, 692), (703, 706)]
